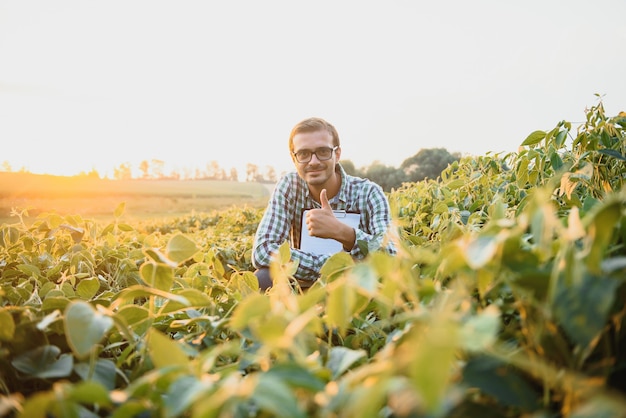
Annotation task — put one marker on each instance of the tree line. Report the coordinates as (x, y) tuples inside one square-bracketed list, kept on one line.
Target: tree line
[(427, 163)]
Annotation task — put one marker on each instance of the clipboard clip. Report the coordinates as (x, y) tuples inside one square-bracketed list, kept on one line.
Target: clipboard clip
[(340, 213)]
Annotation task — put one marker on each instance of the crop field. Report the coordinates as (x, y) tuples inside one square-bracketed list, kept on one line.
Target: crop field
[(506, 298), (98, 198)]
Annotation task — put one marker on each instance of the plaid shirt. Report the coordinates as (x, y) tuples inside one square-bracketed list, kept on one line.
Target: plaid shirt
[(283, 216)]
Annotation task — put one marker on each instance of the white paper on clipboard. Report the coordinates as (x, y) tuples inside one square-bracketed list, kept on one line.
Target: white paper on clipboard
[(318, 245)]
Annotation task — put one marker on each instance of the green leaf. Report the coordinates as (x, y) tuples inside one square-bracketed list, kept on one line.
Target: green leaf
[(430, 353), (533, 280), (104, 372), (455, 184), (612, 153), (480, 331), (132, 408), (335, 265), (87, 288), (181, 395), (582, 307), (600, 222), (340, 306), (275, 397), (125, 227), (37, 405), (440, 207), (158, 257), (341, 359), (29, 269), (135, 317), (271, 331), (365, 278), (138, 291), (84, 327), (164, 351), (284, 253), (503, 383), (52, 303), (534, 138), (250, 310), (245, 282), (119, 210), (7, 325), (560, 138), (180, 248), (9, 236), (48, 320), (44, 362), (157, 275), (480, 251), (298, 376), (522, 173), (556, 161), (89, 393)]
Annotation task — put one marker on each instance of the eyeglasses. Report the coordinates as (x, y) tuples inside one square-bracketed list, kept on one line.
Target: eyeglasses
[(322, 154)]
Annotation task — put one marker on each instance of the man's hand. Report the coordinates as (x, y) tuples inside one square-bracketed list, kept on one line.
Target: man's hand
[(322, 223)]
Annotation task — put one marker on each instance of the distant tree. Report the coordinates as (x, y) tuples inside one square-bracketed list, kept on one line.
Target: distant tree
[(6, 166), (350, 169), (234, 175), (158, 167), (252, 172), (123, 172), (144, 167), (270, 174), (386, 176), (427, 163), (213, 170), (187, 173)]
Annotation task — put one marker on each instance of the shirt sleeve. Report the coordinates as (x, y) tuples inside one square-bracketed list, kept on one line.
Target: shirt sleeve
[(275, 228), (378, 220)]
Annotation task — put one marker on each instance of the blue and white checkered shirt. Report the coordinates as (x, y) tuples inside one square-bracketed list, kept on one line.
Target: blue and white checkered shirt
[(282, 220)]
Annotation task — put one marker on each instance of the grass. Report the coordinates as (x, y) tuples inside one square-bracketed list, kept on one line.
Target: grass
[(97, 198)]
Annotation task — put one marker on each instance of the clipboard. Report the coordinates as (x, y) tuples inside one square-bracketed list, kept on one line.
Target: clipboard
[(318, 245)]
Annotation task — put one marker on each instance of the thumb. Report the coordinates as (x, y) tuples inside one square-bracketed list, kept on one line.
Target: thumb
[(324, 200)]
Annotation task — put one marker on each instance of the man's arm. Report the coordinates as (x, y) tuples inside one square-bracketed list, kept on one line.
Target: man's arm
[(275, 228)]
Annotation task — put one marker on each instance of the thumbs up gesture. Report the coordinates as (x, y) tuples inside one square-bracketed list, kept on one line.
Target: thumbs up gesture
[(324, 201), (322, 222)]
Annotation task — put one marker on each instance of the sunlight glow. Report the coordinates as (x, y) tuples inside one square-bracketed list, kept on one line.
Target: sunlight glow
[(201, 82)]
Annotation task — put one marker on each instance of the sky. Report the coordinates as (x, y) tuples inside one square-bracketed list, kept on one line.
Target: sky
[(89, 85)]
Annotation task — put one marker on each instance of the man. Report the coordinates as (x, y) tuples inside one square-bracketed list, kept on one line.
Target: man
[(322, 185)]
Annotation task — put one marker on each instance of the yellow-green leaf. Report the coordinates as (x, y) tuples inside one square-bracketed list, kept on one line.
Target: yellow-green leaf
[(84, 327), (7, 325), (340, 306), (164, 351), (87, 288), (119, 210), (251, 309), (534, 138), (157, 275), (180, 248)]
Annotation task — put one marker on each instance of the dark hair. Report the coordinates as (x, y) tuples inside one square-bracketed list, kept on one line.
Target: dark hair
[(313, 125)]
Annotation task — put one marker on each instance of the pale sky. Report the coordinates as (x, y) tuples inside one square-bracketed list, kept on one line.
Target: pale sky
[(93, 84)]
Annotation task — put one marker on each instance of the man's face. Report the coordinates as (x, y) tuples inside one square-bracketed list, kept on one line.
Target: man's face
[(315, 172)]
